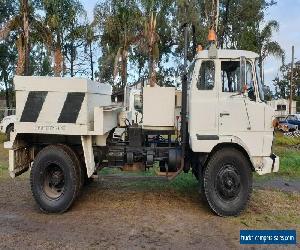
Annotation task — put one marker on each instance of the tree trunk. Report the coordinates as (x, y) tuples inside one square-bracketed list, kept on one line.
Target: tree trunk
[(124, 68), (58, 58), (152, 70), (21, 56), (72, 58), (5, 78), (91, 62), (25, 10), (224, 24), (261, 68)]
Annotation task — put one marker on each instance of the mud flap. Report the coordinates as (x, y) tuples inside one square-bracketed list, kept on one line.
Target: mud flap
[(87, 145), (20, 155), (19, 160)]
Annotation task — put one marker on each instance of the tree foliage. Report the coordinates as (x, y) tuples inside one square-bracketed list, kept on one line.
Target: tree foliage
[(129, 40)]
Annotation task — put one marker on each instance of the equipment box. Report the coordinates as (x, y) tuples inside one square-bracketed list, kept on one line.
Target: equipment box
[(53, 105), (158, 107)]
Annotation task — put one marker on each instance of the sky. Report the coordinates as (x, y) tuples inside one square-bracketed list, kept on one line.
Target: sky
[(287, 13)]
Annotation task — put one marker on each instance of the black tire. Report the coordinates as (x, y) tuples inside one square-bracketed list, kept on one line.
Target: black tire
[(76, 159), (54, 179), (9, 129), (228, 182)]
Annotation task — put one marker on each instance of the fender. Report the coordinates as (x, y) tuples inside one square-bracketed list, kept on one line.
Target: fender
[(210, 144)]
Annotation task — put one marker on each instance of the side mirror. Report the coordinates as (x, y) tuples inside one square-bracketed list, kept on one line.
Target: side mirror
[(243, 72)]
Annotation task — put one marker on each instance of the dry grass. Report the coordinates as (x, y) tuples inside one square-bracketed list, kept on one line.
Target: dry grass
[(281, 140), (3, 157), (271, 210)]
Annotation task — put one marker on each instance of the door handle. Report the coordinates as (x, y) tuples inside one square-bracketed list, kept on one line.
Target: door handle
[(224, 114)]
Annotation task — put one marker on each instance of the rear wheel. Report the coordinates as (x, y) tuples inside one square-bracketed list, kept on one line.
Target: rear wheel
[(55, 179), (228, 182)]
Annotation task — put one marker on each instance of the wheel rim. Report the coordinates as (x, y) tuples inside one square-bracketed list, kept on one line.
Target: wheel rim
[(228, 182), (53, 181)]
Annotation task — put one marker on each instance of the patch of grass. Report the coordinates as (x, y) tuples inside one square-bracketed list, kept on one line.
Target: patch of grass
[(289, 161), (2, 137), (271, 209), (282, 140), (183, 184), (3, 157)]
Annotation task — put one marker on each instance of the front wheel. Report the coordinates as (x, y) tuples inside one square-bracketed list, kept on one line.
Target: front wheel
[(55, 179), (228, 182)]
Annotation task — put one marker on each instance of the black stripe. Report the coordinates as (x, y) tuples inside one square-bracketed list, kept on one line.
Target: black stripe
[(207, 137), (33, 106), (71, 109)]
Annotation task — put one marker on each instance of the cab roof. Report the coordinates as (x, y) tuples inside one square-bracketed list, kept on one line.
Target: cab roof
[(228, 54)]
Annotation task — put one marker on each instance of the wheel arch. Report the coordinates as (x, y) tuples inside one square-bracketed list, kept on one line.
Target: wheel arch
[(10, 125), (237, 146)]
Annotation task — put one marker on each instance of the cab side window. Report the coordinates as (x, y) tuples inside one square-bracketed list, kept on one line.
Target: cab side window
[(230, 71), (231, 80), (206, 79)]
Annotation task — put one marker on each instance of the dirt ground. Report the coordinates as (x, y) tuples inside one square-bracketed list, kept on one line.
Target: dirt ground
[(136, 215), (114, 215)]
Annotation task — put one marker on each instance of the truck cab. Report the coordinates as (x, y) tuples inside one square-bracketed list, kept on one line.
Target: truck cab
[(226, 106)]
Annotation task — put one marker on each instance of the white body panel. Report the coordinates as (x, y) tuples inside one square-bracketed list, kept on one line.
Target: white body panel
[(55, 107), (158, 107)]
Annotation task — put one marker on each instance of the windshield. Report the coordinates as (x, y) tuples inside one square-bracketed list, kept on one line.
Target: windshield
[(259, 82)]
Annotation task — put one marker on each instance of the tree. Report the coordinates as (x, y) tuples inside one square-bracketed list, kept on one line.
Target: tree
[(90, 39), (7, 61), (19, 24), (156, 37), (118, 23), (268, 93), (8, 51), (150, 44), (59, 17), (74, 39), (266, 46)]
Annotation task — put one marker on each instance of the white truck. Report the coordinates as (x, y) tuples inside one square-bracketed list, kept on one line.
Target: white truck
[(67, 129), (7, 125)]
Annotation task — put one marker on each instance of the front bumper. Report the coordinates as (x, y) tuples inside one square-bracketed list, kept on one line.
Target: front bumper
[(266, 165)]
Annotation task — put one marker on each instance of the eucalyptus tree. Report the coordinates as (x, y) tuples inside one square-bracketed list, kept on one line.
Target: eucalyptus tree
[(75, 39), (90, 38), (59, 24), (119, 27), (19, 24), (156, 39), (7, 69), (266, 46)]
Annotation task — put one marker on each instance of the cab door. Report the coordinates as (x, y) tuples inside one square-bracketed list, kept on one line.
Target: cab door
[(240, 114), (203, 106)]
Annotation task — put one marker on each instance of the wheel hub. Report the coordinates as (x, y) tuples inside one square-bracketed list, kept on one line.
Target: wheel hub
[(228, 182), (53, 184), (56, 178)]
